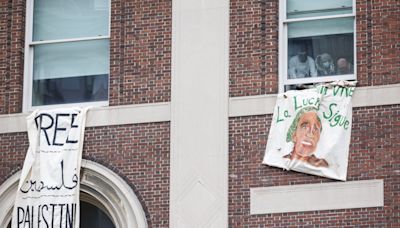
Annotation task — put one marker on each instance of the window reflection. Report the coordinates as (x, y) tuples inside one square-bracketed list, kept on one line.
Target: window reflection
[(70, 90), (315, 8)]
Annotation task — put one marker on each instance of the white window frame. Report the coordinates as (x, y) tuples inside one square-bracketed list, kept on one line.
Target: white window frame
[(283, 48), (28, 62)]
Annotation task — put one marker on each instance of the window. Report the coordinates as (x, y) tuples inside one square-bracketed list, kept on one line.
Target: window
[(93, 215), (317, 42), (66, 52)]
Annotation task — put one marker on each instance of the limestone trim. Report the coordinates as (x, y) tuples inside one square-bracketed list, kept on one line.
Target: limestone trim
[(238, 106), (316, 197)]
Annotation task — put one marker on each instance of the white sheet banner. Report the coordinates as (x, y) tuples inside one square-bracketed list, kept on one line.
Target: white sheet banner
[(310, 130), (48, 190)]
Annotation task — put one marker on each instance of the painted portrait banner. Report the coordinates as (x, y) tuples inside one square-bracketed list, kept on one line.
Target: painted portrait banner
[(310, 130), (48, 190)]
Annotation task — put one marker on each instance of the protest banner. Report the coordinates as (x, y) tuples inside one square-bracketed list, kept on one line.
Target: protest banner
[(48, 190), (310, 130)]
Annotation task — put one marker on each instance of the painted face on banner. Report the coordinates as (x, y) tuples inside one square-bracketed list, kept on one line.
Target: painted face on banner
[(307, 134)]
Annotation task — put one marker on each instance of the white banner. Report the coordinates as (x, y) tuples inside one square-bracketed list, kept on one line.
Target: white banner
[(310, 130), (48, 190)]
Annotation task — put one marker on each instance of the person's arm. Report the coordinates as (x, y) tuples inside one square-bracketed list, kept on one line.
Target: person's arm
[(313, 70), (292, 67)]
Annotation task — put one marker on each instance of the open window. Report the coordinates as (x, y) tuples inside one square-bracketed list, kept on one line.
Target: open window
[(317, 42)]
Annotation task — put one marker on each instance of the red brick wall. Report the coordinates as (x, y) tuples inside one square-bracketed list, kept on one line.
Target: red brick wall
[(253, 47), (138, 153), (140, 52), (378, 35), (3, 56), (385, 42), (374, 154), (12, 38), (13, 148)]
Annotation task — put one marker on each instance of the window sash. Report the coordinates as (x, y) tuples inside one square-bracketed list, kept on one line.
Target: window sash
[(326, 26), (288, 81), (70, 59), (59, 19), (68, 40), (284, 63), (28, 59), (283, 48), (313, 8)]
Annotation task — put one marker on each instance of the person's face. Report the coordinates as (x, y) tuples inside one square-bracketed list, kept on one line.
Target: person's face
[(307, 134), (343, 68), (326, 64), (302, 56)]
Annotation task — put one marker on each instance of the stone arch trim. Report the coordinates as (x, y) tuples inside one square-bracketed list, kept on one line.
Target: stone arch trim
[(109, 189)]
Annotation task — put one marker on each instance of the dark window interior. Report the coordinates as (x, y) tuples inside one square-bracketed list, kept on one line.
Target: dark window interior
[(70, 90)]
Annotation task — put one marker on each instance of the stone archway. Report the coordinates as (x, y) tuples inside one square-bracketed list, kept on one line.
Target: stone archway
[(100, 186)]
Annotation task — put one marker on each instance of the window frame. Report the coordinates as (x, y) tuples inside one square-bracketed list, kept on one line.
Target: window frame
[(29, 55), (283, 48)]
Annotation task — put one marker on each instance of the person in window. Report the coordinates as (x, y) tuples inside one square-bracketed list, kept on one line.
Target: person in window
[(302, 65), (344, 67), (324, 64), (304, 132)]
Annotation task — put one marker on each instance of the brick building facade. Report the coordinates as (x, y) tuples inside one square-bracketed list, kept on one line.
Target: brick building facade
[(141, 150)]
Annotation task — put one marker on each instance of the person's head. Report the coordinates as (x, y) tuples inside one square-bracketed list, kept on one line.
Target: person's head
[(343, 66), (302, 54), (305, 132), (326, 61)]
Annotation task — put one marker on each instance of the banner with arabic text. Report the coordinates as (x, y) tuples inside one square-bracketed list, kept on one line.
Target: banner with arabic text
[(48, 191)]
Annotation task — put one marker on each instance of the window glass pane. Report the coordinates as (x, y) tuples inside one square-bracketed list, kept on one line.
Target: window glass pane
[(92, 216), (61, 60), (321, 27), (320, 53), (60, 19), (314, 8), (70, 90), (70, 72)]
